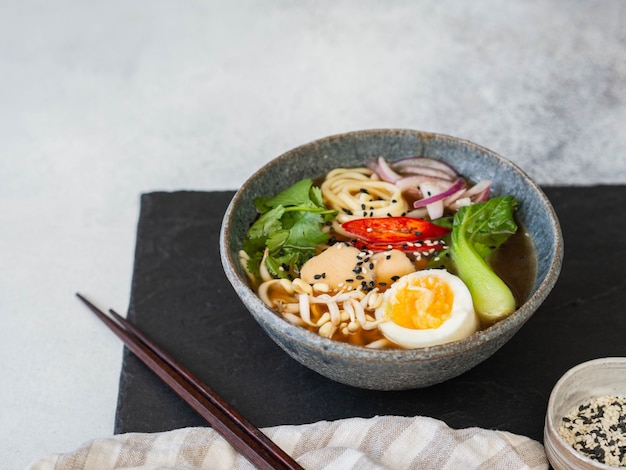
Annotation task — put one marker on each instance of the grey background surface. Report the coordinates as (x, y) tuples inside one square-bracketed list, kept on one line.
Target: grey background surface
[(101, 101)]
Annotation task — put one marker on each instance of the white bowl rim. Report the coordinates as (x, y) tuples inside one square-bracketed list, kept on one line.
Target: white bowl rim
[(551, 427)]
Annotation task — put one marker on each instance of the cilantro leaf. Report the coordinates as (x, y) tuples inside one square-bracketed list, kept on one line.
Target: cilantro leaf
[(296, 195), (290, 227), (267, 223), (305, 232)]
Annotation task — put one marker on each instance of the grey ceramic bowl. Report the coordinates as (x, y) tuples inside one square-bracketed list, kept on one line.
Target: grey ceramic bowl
[(392, 369)]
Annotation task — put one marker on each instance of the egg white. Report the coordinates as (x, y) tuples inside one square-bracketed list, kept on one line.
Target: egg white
[(463, 320)]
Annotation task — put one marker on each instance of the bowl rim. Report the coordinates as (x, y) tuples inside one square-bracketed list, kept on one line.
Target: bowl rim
[(431, 353)]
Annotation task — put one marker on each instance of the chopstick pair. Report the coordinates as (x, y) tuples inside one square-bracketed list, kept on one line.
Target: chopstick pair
[(259, 449)]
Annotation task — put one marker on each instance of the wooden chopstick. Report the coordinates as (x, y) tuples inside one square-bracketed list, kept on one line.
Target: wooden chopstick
[(238, 431)]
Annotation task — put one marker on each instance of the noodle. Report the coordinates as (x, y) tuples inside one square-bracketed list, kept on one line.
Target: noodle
[(343, 314), (354, 193)]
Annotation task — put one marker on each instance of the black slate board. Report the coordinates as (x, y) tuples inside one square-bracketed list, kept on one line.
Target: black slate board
[(181, 298)]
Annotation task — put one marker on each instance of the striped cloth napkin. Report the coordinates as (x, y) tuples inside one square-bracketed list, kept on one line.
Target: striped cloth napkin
[(382, 442)]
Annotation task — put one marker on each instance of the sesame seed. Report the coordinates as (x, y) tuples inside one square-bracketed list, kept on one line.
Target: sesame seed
[(597, 429)]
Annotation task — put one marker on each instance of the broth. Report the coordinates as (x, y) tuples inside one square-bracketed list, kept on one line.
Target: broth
[(515, 262)]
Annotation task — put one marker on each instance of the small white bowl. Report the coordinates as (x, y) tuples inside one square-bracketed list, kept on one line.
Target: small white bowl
[(595, 378)]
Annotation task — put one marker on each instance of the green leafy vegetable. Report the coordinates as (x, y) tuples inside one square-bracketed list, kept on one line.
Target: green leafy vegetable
[(289, 227), (477, 231)]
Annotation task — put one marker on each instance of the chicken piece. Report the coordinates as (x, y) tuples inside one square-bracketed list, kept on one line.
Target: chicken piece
[(390, 266), (344, 267), (341, 266)]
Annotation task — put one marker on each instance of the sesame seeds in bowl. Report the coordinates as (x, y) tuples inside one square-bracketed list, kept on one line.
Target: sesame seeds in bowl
[(586, 417)]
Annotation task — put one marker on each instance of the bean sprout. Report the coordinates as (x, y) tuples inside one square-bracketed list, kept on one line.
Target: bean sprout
[(343, 312)]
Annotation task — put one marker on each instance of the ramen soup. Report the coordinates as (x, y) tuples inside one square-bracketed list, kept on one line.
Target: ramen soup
[(403, 254)]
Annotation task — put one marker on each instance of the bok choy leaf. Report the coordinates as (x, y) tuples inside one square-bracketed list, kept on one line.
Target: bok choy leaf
[(477, 231)]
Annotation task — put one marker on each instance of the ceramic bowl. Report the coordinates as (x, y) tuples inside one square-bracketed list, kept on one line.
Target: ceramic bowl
[(595, 378), (392, 369)]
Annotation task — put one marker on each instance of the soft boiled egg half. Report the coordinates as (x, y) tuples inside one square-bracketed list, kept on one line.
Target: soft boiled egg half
[(426, 308)]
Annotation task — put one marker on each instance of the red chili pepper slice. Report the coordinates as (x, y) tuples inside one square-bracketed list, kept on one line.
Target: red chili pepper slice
[(393, 230)]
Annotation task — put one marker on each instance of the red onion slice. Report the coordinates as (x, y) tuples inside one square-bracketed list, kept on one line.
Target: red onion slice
[(435, 209), (438, 181), (438, 196), (425, 171), (483, 196), (479, 188), (417, 165), (383, 170), (420, 213), (412, 182), (455, 197)]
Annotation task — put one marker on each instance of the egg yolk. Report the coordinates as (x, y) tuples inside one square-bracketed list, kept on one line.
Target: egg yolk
[(423, 303)]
